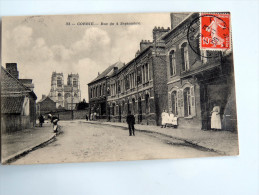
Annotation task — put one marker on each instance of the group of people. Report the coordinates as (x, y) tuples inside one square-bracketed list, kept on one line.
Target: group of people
[(92, 117), (53, 119), (168, 119)]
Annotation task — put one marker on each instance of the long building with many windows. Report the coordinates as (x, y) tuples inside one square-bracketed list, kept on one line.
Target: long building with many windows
[(172, 73), (139, 86), (98, 91)]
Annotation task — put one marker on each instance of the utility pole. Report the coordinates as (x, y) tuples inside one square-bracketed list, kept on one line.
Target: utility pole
[(72, 109)]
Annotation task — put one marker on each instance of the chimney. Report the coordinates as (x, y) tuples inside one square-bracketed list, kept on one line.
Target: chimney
[(115, 68), (158, 32), (137, 53), (12, 69), (144, 44)]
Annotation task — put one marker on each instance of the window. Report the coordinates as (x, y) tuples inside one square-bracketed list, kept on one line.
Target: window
[(127, 82), (147, 103), (128, 106), (174, 102), (150, 72), (69, 81), (143, 74), (146, 72), (59, 96), (108, 90), (67, 95), (74, 82), (59, 82), (139, 75), (113, 108), (122, 107), (133, 106), (103, 89), (187, 101), (185, 57), (119, 87), (172, 63)]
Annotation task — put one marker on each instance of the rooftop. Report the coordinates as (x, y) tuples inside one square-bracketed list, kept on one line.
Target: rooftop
[(108, 71), (12, 105)]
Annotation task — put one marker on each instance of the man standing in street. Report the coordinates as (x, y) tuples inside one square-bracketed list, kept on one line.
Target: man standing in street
[(41, 120), (131, 122)]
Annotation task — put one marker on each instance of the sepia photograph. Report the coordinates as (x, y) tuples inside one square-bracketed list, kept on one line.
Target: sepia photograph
[(117, 87)]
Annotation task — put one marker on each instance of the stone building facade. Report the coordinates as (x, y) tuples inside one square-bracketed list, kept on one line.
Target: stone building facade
[(139, 86), (198, 79), (18, 102), (97, 91), (45, 105), (66, 96)]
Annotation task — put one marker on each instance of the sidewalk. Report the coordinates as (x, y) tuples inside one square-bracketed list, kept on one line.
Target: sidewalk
[(223, 142), (21, 142)]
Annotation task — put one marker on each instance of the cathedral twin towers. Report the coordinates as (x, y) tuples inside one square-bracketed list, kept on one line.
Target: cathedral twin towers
[(66, 96)]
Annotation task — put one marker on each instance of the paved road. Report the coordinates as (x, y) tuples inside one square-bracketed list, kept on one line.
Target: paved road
[(81, 142)]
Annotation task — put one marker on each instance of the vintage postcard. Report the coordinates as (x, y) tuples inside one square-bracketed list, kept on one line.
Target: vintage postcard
[(117, 87)]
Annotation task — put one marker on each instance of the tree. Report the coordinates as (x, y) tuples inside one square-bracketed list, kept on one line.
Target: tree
[(82, 105)]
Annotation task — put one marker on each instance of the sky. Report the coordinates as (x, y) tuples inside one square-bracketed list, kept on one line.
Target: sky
[(43, 44)]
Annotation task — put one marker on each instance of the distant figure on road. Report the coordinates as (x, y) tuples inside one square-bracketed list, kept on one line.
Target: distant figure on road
[(54, 120), (165, 118), (215, 118), (131, 123), (86, 117), (41, 120)]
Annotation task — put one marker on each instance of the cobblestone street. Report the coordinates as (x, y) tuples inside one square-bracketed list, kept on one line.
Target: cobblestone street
[(81, 142)]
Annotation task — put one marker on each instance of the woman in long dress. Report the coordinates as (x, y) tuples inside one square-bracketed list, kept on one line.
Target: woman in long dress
[(164, 117), (215, 118)]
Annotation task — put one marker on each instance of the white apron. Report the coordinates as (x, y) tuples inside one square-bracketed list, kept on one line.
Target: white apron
[(215, 118), (164, 118)]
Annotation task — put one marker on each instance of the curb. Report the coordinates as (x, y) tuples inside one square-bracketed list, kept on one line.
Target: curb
[(188, 141), (27, 150)]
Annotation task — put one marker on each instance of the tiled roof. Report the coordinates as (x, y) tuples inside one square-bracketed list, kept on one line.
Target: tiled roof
[(47, 97), (107, 71), (12, 105), (9, 84)]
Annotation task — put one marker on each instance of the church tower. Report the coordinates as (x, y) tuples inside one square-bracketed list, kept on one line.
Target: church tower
[(66, 96), (73, 81), (57, 88)]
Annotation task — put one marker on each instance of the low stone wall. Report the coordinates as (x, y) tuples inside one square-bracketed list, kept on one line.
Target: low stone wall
[(67, 115), (146, 119)]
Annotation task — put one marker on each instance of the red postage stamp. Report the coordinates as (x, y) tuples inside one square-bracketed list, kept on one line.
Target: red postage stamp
[(215, 31)]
